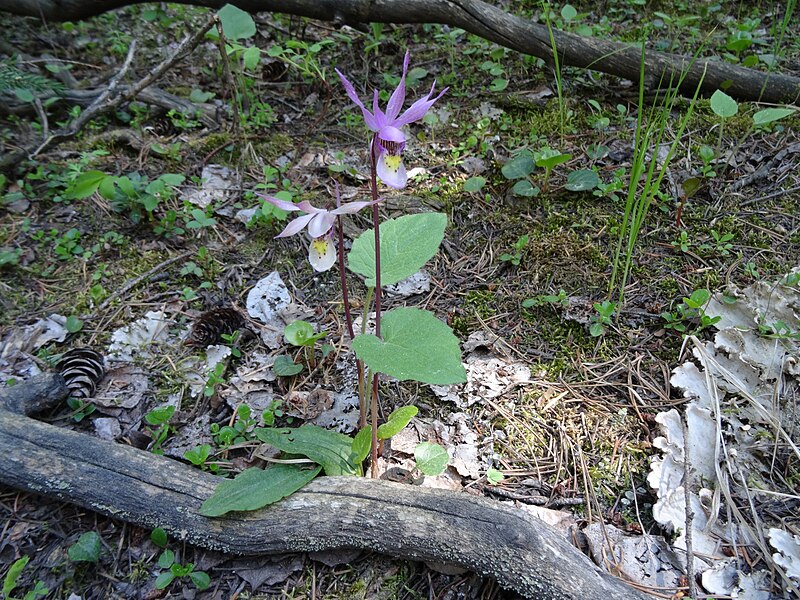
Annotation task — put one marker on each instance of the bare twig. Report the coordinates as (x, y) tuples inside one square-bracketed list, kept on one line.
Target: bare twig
[(687, 499), (226, 71)]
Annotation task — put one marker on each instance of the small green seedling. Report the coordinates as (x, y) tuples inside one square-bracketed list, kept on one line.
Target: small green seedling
[(604, 312), (301, 333), (682, 242), (175, 570), (10, 582), (724, 107), (519, 246), (199, 456), (240, 431), (86, 549), (159, 419), (560, 299), (548, 159), (493, 476), (216, 376), (690, 312)]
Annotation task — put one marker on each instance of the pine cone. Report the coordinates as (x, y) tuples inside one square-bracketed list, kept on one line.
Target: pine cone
[(82, 369), (209, 327)]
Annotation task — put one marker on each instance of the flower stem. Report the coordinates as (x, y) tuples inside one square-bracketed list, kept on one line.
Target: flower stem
[(376, 226), (348, 317)]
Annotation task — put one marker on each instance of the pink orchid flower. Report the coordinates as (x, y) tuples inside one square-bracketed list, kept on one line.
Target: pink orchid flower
[(390, 139), (319, 222)]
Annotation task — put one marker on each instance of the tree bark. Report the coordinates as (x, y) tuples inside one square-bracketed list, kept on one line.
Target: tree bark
[(491, 23), (488, 538)]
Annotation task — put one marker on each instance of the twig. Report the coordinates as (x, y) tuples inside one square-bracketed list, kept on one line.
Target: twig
[(107, 101), (137, 280), (226, 71)]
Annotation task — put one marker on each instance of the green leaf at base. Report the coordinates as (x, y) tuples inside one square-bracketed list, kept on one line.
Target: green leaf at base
[(255, 488), (431, 458), (328, 448), (415, 345)]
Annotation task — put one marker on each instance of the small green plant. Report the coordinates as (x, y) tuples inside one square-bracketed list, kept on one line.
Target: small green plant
[(493, 476), (722, 243), (80, 408), (683, 243), (173, 569), (159, 418), (560, 299), (12, 576), (707, 155), (215, 377), (238, 432), (548, 159), (86, 549), (516, 256), (602, 319), (690, 314), (68, 246), (301, 333), (199, 456)]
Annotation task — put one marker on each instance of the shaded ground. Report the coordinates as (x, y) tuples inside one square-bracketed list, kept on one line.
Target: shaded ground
[(582, 428)]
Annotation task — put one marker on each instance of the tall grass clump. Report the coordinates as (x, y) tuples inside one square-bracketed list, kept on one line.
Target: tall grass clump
[(646, 174)]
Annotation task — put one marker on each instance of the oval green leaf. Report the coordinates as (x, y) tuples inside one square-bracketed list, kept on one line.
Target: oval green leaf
[(86, 549), (525, 189), (768, 115), (474, 184), (723, 105), (397, 421), (582, 180), (415, 345), (431, 458), (407, 243), (518, 167), (255, 488), (330, 449), (236, 23), (361, 445), (284, 366)]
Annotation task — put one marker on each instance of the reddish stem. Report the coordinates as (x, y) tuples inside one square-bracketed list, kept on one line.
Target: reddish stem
[(376, 226)]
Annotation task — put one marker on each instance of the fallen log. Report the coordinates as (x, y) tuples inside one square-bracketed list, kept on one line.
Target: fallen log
[(122, 482), (494, 24)]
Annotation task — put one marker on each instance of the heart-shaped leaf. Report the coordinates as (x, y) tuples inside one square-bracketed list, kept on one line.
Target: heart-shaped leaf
[(582, 180), (415, 345), (518, 167), (431, 458), (407, 243)]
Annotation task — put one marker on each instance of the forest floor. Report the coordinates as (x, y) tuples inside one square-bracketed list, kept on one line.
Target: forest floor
[(522, 276)]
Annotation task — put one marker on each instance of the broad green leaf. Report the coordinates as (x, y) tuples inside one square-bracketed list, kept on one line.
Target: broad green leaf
[(690, 186), (518, 167), (549, 158), (159, 537), (24, 94), (723, 105), (582, 180), (255, 488), (301, 333), (525, 189), (250, 58), (397, 421), (474, 184), (415, 345), (164, 579), (14, 571), (498, 84), (172, 178), (166, 559), (330, 449), (768, 115), (86, 184), (284, 366), (431, 458), (86, 549), (361, 445), (200, 579), (568, 12), (199, 96), (73, 324), (407, 243), (236, 23), (697, 299)]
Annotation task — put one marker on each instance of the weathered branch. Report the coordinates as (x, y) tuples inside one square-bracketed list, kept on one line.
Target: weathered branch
[(404, 521), (491, 23)]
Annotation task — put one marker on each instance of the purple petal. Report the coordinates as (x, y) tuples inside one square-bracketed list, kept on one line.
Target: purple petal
[(380, 118), (322, 253), (282, 204), (417, 110), (398, 95), (295, 226), (352, 207), (306, 206), (392, 171), (321, 224), (391, 134), (369, 119)]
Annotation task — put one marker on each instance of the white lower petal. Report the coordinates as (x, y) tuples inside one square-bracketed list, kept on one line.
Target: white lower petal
[(322, 253), (392, 171)]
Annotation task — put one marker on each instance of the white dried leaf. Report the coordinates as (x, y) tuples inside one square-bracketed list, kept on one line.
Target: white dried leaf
[(418, 283), (788, 551), (267, 298), (136, 338)]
